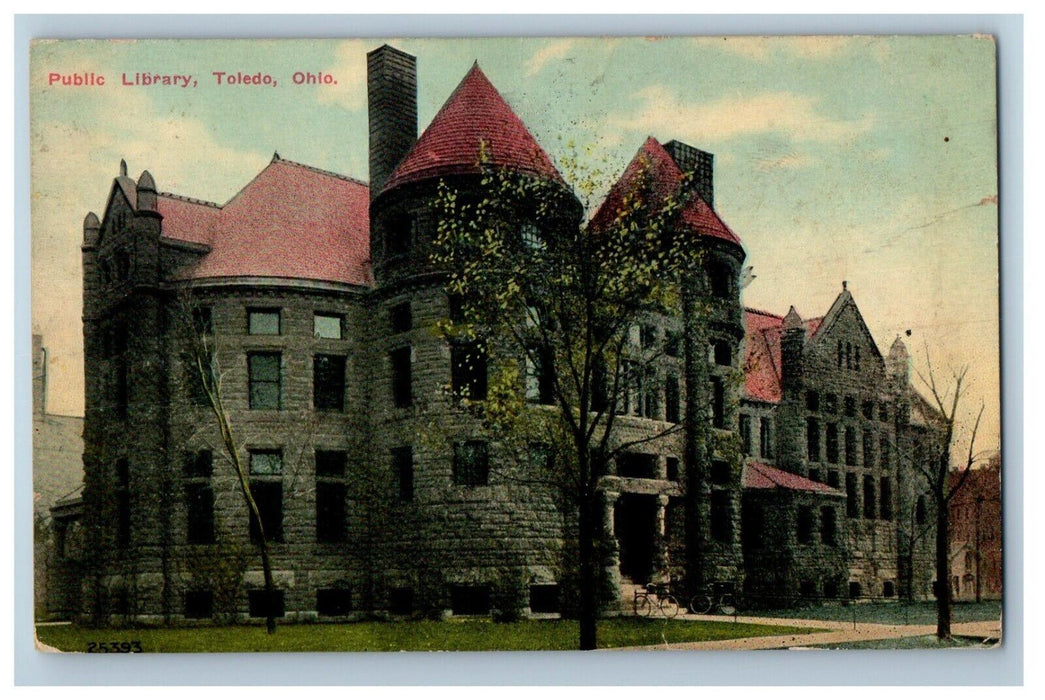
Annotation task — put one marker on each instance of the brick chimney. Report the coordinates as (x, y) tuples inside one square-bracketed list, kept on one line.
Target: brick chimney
[(700, 163), (392, 99)]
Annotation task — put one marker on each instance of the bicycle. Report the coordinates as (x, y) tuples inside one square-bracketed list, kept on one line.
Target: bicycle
[(656, 597), (722, 603)]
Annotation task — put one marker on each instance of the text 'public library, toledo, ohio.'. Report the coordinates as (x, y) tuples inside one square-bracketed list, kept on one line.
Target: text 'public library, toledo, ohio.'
[(317, 293)]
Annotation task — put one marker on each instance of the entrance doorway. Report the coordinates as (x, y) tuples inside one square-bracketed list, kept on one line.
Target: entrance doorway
[(634, 522)]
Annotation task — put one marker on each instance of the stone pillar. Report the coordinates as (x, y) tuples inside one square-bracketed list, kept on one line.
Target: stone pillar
[(610, 553), (660, 538)]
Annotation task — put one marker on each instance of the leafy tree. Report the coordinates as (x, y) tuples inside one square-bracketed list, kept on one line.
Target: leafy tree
[(557, 308)]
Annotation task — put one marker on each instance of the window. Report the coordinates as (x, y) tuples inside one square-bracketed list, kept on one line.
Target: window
[(753, 525), (721, 516), (850, 407), (599, 387), (854, 589), (468, 371), (327, 326), (401, 601), (403, 468), (850, 446), (402, 382), (720, 280), (885, 498), (832, 443), (830, 403), (852, 498), (869, 504), (471, 463), (805, 525), (261, 604), (848, 355), (883, 413), (672, 343), (198, 464), (196, 383), (333, 602), (723, 353), (832, 478), (885, 456), (455, 308), (401, 317), (869, 456), (199, 605), (830, 590), (718, 403), (888, 589), (328, 382), (650, 404), (470, 600), (720, 472), (530, 236), (919, 511), (745, 433), (636, 465), (673, 468), (813, 439), (399, 234), (841, 354), (828, 526), (266, 485), (544, 598), (868, 410), (540, 378), (331, 492), (263, 321), (648, 337), (812, 401), (672, 399), (541, 457), (856, 358), (199, 512), (765, 436), (265, 373), (123, 503)]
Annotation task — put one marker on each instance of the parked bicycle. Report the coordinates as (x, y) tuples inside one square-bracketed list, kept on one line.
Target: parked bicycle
[(656, 596), (721, 601)]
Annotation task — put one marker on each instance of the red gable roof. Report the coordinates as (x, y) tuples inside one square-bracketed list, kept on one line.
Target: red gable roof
[(762, 332), (475, 112), (763, 476), (291, 221), (665, 177)]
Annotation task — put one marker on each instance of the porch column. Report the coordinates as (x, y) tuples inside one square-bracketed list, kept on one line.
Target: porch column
[(660, 538), (610, 552)]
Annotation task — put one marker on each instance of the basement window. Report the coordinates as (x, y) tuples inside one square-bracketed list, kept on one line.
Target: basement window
[(333, 602), (261, 604), (544, 598), (470, 600)]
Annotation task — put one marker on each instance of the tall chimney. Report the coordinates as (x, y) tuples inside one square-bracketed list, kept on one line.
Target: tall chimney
[(700, 163), (39, 374), (392, 97)]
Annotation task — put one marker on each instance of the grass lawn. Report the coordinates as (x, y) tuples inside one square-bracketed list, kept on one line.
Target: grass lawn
[(450, 635), (892, 613)]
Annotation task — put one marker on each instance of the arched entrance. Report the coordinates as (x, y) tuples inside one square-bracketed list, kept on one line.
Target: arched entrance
[(635, 524)]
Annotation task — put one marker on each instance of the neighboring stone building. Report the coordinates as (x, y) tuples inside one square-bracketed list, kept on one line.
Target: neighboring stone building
[(316, 298), (976, 532), (57, 478)]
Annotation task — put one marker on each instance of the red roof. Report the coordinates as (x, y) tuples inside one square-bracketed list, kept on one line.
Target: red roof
[(762, 332), (475, 112), (763, 476), (665, 177), (292, 221)]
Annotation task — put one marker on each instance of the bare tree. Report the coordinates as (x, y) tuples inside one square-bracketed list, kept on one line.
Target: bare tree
[(937, 472), (202, 356)]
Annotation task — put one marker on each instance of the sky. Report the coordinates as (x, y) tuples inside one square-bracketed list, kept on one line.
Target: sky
[(866, 159)]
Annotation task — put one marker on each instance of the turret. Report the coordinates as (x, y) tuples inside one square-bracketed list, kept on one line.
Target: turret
[(91, 229), (898, 363)]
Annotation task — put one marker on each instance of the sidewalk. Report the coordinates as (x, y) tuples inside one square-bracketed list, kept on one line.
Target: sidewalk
[(838, 632)]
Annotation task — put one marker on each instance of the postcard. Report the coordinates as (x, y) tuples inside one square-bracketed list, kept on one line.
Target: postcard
[(515, 344)]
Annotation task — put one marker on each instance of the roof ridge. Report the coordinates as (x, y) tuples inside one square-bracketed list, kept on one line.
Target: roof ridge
[(193, 200), (321, 171), (753, 310)]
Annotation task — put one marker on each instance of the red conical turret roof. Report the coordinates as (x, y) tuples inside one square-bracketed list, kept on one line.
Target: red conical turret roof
[(475, 112), (665, 178)]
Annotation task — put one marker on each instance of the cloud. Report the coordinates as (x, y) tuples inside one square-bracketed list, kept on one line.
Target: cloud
[(790, 161), (554, 50), (349, 69), (779, 113), (760, 48)]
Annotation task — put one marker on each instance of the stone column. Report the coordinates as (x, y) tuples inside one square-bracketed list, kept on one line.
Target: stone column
[(610, 553), (660, 538)]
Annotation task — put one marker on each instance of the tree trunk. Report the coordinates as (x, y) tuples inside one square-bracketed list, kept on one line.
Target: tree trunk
[(589, 580), (943, 571)]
